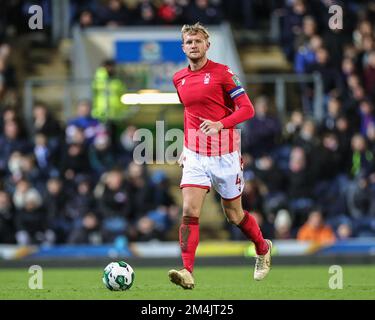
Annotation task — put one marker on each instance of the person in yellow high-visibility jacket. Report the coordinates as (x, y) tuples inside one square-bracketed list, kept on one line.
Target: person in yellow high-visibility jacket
[(107, 92)]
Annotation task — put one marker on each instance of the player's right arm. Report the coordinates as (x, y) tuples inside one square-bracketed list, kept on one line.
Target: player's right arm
[(181, 158)]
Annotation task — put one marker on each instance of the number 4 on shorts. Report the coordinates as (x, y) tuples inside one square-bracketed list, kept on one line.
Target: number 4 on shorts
[(238, 181)]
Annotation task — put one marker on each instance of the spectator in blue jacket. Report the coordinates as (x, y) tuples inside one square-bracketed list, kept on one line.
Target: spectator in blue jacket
[(84, 121)]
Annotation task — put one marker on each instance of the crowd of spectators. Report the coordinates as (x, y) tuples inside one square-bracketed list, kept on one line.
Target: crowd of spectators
[(77, 183), (15, 15), (145, 12), (307, 173)]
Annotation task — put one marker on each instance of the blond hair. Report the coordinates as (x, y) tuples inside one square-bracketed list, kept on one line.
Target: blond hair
[(193, 29)]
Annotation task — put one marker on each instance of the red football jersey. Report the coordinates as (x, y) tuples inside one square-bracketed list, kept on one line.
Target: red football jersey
[(210, 93)]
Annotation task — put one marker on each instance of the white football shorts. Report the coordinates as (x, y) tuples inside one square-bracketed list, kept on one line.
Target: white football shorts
[(224, 173)]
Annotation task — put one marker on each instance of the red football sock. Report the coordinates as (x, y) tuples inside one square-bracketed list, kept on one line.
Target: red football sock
[(189, 239), (250, 228)]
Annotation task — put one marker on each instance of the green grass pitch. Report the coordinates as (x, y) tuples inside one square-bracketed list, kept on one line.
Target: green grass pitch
[(283, 282)]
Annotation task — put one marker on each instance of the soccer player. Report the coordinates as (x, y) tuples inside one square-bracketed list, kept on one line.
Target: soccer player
[(214, 103)]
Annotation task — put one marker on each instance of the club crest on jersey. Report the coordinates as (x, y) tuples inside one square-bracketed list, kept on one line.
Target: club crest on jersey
[(207, 78), (183, 82)]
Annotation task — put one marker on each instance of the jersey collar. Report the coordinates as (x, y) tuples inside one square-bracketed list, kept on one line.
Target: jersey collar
[(201, 69)]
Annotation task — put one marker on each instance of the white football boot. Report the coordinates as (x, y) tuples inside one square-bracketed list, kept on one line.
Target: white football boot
[(263, 263), (182, 278)]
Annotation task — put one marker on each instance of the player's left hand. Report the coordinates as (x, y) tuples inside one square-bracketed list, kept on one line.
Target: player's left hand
[(209, 127)]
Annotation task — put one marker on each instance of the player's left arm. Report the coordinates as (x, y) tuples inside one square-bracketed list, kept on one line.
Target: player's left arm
[(245, 111)]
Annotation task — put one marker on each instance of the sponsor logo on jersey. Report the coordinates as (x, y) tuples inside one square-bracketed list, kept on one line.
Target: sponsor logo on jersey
[(236, 81)]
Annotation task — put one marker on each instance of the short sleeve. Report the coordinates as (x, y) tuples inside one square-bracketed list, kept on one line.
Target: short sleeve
[(232, 84), (175, 85)]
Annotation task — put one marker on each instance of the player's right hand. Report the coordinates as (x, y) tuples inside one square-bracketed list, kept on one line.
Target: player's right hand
[(209, 127)]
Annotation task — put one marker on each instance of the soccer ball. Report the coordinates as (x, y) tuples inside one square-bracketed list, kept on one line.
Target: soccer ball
[(118, 276)]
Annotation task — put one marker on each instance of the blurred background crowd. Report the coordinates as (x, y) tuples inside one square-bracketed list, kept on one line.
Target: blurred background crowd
[(74, 181)]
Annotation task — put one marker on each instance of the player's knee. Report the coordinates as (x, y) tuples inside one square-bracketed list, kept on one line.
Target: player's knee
[(190, 211)]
